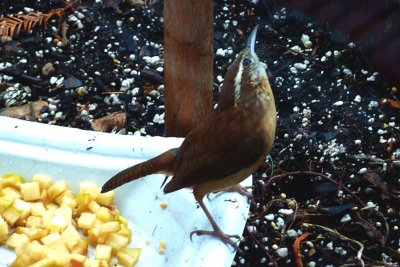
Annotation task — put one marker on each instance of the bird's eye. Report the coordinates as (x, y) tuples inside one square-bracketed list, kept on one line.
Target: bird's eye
[(246, 62)]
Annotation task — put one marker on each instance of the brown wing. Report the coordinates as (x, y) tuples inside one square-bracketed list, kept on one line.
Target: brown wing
[(216, 149)]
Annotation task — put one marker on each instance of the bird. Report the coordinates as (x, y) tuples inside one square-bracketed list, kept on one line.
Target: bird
[(226, 147)]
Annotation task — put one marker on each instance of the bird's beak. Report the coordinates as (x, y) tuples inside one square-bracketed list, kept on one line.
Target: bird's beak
[(252, 41)]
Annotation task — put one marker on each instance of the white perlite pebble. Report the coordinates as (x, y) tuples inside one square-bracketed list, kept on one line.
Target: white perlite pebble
[(269, 217), (285, 211), (300, 66), (357, 99), (282, 252), (159, 118), (306, 41), (338, 103), (345, 218), (291, 233), (220, 52), (363, 170), (53, 80), (357, 142)]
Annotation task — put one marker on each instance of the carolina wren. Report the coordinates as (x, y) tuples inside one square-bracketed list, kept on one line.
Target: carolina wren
[(227, 146)]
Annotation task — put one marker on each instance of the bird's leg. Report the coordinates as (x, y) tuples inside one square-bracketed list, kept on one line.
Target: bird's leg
[(217, 232)]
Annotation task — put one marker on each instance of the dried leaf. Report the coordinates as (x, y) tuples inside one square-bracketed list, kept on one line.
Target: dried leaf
[(115, 120), (29, 111)]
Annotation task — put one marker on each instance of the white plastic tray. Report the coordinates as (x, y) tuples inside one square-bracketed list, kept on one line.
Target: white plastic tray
[(76, 155)]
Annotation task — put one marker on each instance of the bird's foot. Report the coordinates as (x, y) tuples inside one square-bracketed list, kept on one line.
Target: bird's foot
[(227, 239)]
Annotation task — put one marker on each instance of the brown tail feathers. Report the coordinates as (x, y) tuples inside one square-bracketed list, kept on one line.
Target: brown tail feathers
[(163, 163)]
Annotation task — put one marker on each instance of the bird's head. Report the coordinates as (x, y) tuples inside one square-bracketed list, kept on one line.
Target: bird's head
[(245, 75)]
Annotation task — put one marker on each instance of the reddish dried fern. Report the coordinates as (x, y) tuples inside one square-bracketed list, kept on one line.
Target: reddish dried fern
[(12, 24)]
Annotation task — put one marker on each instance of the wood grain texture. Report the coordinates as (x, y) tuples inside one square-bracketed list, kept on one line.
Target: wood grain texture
[(188, 33)]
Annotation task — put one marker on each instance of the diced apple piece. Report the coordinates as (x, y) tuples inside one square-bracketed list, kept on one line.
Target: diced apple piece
[(16, 240), (21, 260), (134, 252), (68, 202), (43, 180), (37, 233), (106, 199), (66, 193), (58, 223), (30, 191), (59, 246), (86, 220), (94, 236), (103, 252), (87, 187), (3, 230), (125, 231), (22, 230), (34, 250), (11, 179), (77, 259), (51, 206), (5, 202), (110, 227), (46, 217), (116, 241), (93, 206), (56, 189), (121, 219), (37, 209), (51, 238), (162, 247), (11, 215), (70, 236), (54, 259), (104, 214), (10, 193), (24, 207), (33, 222), (126, 259), (81, 247), (61, 219)]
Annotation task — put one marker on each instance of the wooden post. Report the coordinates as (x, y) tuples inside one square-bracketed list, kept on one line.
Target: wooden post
[(188, 61)]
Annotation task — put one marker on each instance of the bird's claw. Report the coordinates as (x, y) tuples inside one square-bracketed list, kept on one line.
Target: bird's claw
[(223, 237)]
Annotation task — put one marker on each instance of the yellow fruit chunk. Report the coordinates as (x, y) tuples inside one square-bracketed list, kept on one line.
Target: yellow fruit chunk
[(106, 199), (56, 189), (30, 191), (5, 202), (103, 252), (110, 227), (116, 241), (11, 179), (3, 229), (50, 238), (10, 193), (42, 179), (104, 214), (16, 240), (128, 256), (24, 207), (70, 236), (86, 220), (37, 209), (11, 215), (162, 246), (163, 204)]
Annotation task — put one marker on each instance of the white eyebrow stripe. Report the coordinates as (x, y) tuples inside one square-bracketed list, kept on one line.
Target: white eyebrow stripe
[(238, 81)]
